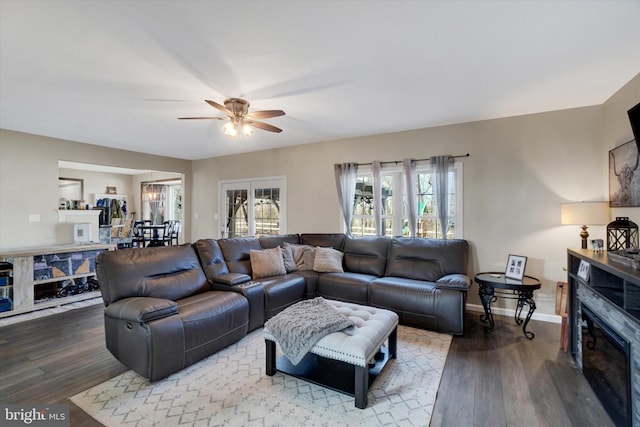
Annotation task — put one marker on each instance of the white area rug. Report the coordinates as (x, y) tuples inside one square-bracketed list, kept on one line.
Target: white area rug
[(231, 388)]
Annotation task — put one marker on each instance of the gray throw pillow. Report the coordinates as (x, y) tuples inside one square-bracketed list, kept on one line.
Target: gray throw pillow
[(287, 259), (328, 260), (298, 252), (266, 262)]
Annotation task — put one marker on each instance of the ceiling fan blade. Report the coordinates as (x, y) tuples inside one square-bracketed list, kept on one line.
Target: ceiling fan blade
[(219, 107), (202, 118), (263, 126), (265, 114)]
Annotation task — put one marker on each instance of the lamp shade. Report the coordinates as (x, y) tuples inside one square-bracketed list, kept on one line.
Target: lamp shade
[(584, 213)]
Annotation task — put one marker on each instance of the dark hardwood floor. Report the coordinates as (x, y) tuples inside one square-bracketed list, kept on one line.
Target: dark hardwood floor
[(499, 379), (504, 379)]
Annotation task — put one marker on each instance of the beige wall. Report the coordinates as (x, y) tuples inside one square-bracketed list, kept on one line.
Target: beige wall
[(617, 130), (520, 170), (514, 181), (29, 184)]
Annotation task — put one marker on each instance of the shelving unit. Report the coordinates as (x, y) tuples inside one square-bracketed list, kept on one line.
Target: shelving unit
[(97, 197), (6, 287), (36, 288), (615, 281)]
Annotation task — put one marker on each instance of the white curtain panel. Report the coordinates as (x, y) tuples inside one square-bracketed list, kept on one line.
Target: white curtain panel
[(440, 166), (346, 174), (377, 197), (409, 173)]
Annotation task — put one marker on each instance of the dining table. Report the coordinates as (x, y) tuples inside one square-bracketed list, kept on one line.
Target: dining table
[(154, 233)]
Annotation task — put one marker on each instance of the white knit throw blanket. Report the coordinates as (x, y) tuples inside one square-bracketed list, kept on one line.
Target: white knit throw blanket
[(299, 327)]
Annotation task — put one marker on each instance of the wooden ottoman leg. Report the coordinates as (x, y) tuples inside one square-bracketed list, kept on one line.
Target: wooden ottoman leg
[(361, 386), (271, 357)]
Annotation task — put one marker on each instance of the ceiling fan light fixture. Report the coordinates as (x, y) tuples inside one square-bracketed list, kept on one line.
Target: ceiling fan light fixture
[(247, 130), (241, 122), (230, 129)]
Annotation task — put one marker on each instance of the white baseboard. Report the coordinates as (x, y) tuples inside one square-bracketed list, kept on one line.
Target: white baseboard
[(553, 318)]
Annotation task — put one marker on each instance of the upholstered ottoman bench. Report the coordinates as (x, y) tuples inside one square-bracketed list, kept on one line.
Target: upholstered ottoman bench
[(346, 361)]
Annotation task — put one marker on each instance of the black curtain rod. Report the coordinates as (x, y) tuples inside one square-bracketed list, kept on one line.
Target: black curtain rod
[(417, 160)]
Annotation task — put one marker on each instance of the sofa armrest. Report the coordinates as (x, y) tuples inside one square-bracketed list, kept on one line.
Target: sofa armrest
[(141, 309), (459, 282), (229, 279)]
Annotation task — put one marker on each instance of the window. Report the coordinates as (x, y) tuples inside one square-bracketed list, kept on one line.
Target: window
[(161, 200), (363, 223), (253, 207), (394, 217)]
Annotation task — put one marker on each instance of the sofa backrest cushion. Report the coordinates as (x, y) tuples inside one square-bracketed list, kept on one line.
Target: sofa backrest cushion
[(325, 240), (236, 252), (270, 242), (169, 272), (211, 258), (426, 259), (366, 255)]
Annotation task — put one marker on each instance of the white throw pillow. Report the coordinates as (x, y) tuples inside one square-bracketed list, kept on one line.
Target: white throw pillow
[(266, 262), (328, 260)]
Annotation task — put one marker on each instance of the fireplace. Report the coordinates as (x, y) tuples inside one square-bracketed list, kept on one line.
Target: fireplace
[(606, 365)]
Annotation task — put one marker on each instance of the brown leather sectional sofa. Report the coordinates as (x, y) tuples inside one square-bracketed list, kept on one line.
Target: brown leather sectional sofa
[(169, 307)]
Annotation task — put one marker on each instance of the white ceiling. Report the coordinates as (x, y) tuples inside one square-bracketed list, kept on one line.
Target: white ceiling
[(119, 73)]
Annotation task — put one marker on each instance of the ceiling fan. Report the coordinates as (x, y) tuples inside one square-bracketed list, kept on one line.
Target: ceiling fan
[(240, 120)]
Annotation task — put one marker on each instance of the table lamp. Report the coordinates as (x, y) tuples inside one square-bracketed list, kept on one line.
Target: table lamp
[(584, 214)]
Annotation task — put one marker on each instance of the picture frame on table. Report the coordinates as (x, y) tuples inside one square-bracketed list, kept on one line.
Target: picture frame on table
[(597, 245), (583, 270), (516, 265)]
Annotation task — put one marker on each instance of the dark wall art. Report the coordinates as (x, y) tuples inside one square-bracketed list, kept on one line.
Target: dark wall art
[(624, 176)]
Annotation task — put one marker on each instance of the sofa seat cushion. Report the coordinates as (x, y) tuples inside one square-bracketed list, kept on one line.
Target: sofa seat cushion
[(420, 303), (282, 291), (311, 282), (348, 287), (211, 321), (404, 296)]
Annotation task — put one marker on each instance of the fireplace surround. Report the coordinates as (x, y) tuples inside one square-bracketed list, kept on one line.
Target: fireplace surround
[(604, 321), (605, 364)]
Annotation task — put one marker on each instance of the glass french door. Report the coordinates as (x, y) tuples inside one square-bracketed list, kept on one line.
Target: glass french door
[(253, 208)]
